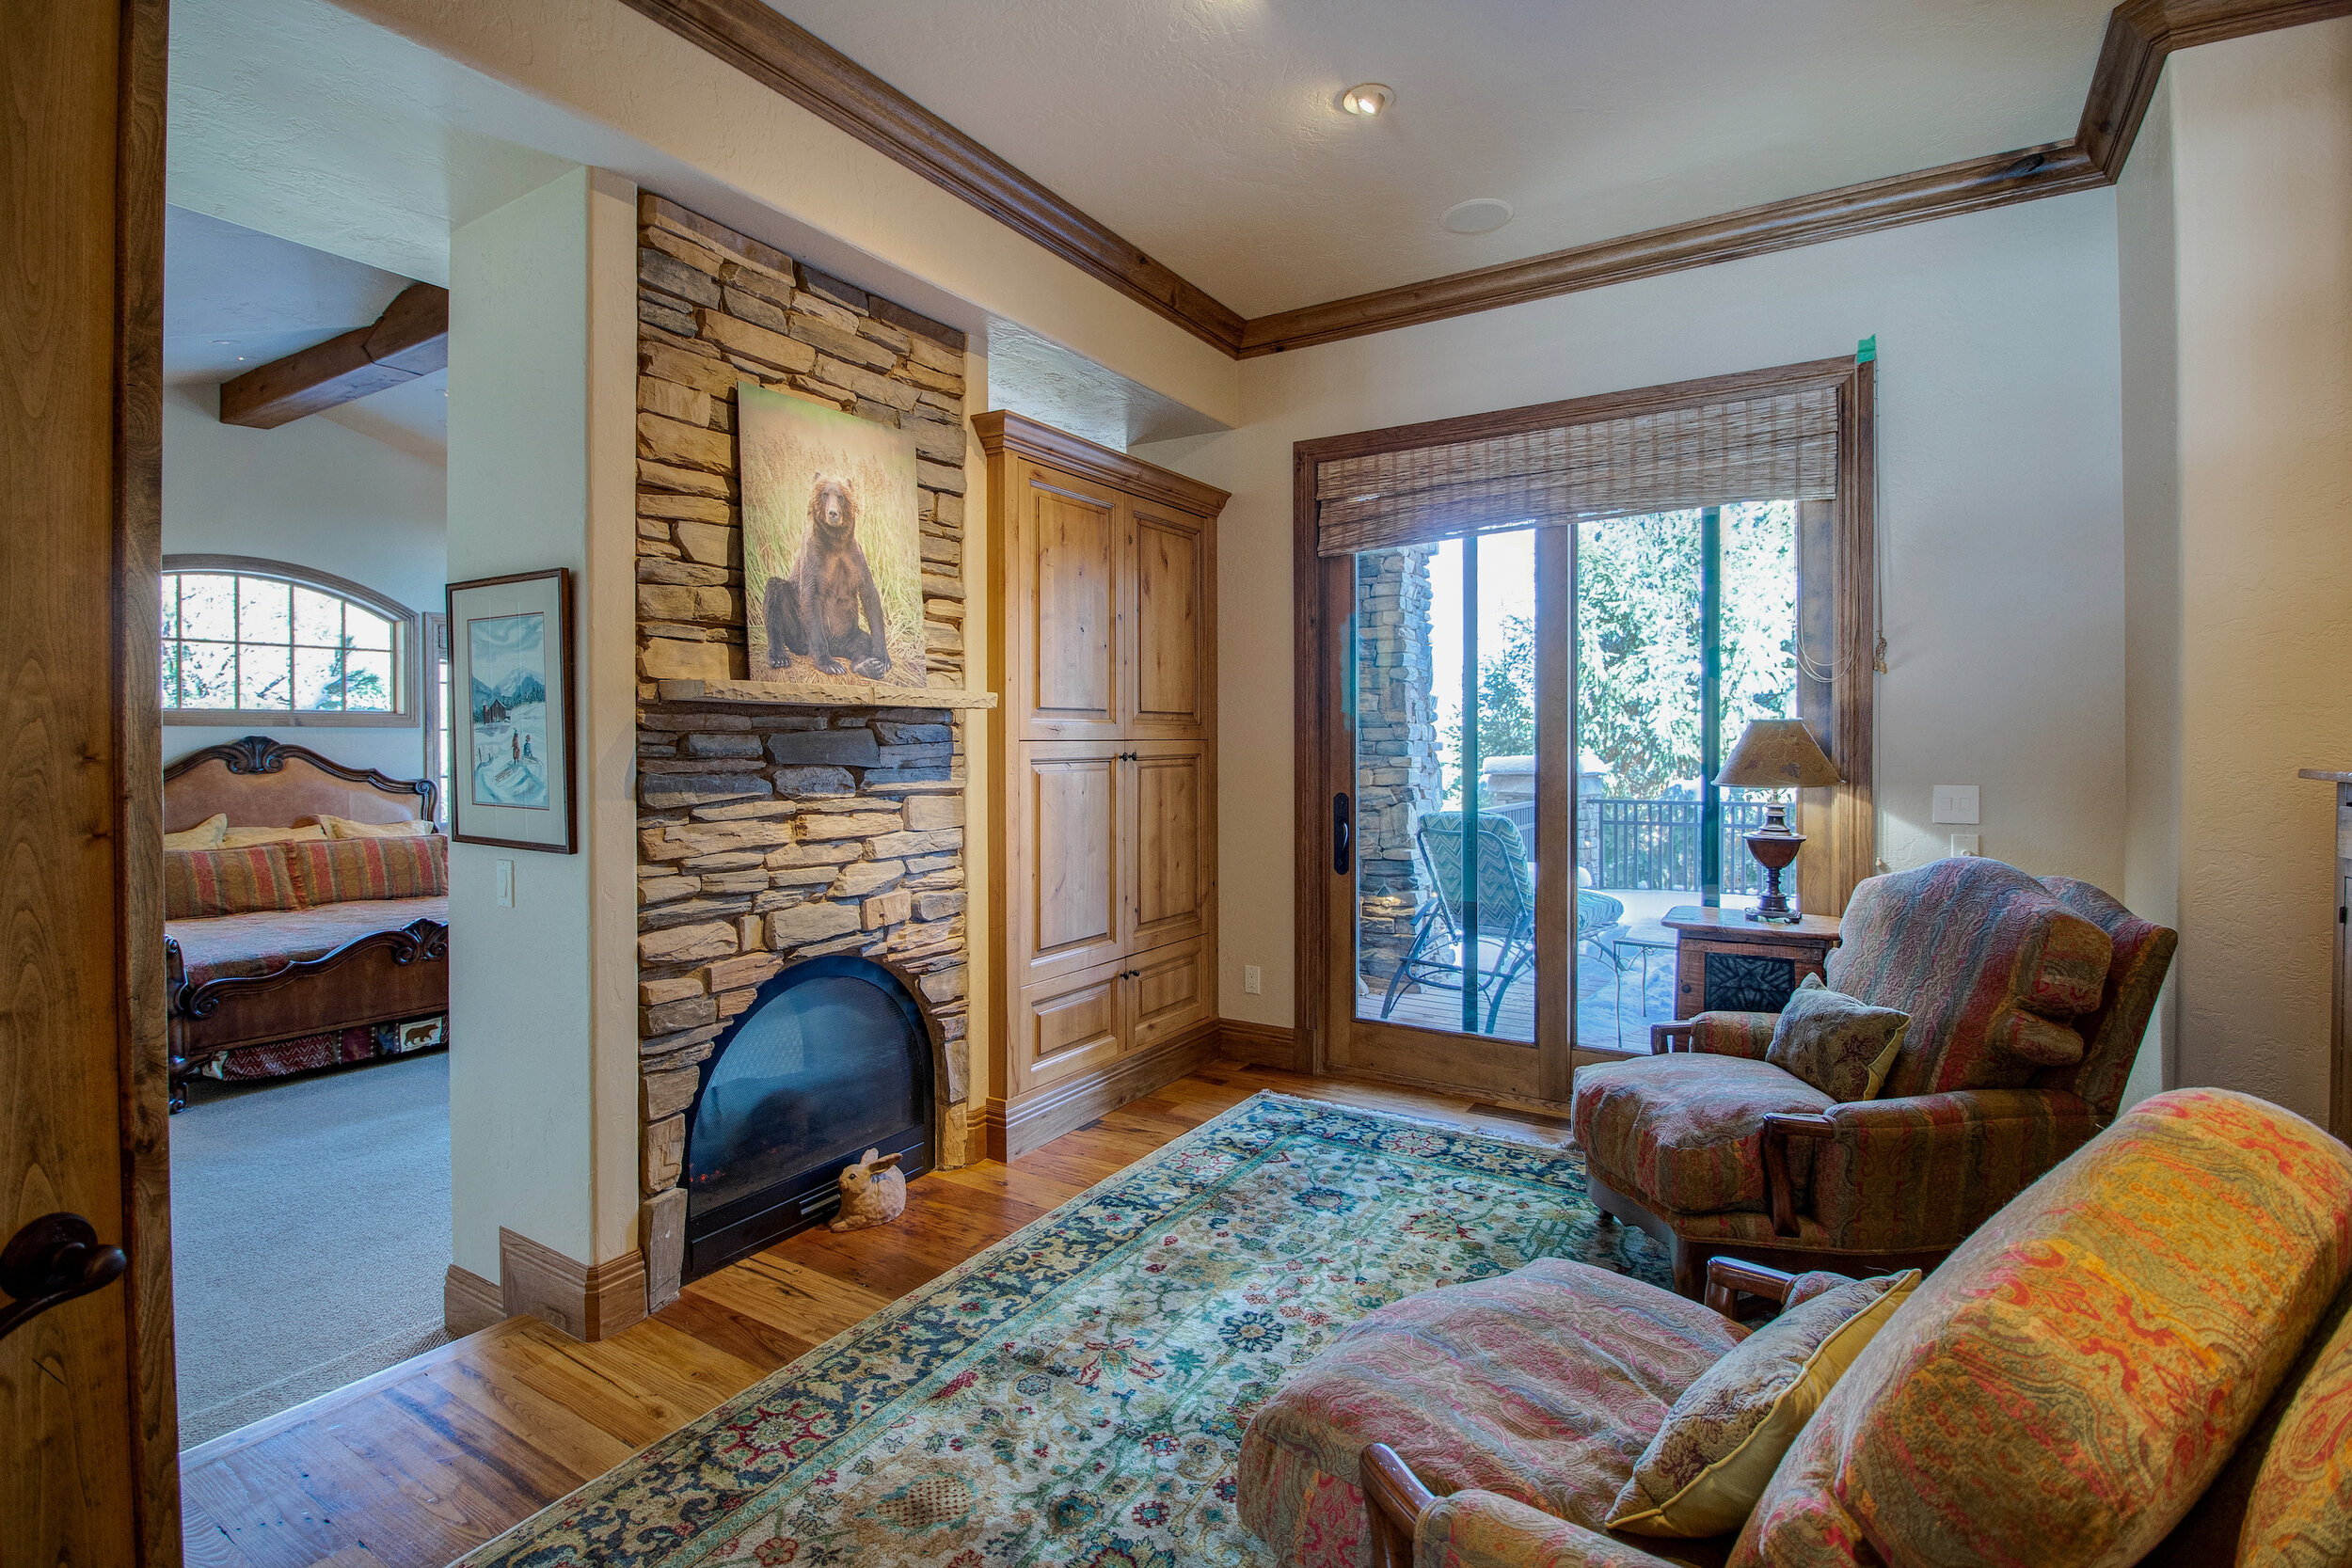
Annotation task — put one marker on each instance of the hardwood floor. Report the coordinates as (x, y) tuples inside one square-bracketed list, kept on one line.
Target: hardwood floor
[(425, 1460)]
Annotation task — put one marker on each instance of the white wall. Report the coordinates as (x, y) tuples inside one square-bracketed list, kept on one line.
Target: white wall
[(2237, 264), (314, 494), (2000, 517), (543, 1028)]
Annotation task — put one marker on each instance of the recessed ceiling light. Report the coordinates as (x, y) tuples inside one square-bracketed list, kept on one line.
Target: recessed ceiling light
[(1480, 214), (1367, 97)]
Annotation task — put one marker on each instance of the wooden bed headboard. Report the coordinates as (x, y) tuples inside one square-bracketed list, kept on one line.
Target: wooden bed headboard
[(263, 784)]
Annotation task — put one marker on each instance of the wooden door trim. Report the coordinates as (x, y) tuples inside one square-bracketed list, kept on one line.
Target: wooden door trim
[(142, 113), (1322, 600)]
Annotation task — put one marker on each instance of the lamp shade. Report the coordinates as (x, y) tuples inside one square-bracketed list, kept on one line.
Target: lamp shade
[(1777, 753)]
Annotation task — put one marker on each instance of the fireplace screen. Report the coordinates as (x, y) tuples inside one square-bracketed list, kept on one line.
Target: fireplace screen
[(835, 1058)]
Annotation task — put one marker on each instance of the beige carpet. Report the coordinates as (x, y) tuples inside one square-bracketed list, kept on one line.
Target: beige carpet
[(309, 1235)]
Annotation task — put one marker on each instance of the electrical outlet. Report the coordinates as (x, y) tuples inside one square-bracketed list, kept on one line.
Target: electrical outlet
[(1253, 980), (1968, 844), (506, 884), (1955, 803)]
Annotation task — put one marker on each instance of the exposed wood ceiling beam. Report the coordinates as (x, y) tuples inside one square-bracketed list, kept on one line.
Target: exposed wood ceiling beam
[(409, 339), (765, 45)]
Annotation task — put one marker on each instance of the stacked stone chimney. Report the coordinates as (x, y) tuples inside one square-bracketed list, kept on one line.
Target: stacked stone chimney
[(769, 833)]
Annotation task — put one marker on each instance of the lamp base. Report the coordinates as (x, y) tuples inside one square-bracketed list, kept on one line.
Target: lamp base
[(1774, 845)]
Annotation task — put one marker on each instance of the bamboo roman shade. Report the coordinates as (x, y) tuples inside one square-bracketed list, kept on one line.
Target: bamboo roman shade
[(1772, 445)]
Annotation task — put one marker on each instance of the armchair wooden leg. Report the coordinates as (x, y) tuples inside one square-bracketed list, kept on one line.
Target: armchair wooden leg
[(1395, 1500)]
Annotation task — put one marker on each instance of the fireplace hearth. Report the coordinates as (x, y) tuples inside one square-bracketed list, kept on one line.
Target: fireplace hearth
[(837, 1055)]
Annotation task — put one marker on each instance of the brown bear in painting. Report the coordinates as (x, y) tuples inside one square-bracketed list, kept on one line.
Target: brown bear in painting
[(816, 610)]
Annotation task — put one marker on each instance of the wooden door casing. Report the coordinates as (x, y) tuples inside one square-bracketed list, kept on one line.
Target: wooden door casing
[(1172, 656), (1071, 554), (1167, 840), (88, 1433), (1069, 895)]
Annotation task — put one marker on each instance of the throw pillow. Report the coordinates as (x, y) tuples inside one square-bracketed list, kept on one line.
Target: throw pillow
[(199, 885), (343, 826), (1840, 1046), (204, 835), (2299, 1512), (238, 838), (344, 870), (1723, 1438)]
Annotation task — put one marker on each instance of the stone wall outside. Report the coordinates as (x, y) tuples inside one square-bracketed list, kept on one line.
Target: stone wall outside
[(1396, 751)]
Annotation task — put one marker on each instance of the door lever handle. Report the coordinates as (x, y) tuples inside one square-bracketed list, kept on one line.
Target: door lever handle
[(1343, 834), (54, 1258)]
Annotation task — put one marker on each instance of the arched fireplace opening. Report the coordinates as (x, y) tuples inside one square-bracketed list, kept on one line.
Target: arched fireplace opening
[(836, 1055)]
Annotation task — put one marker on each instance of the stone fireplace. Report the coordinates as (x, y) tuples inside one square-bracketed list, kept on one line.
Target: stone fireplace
[(834, 1056), (769, 833)]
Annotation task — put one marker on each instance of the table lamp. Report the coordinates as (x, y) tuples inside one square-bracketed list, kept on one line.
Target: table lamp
[(1776, 753)]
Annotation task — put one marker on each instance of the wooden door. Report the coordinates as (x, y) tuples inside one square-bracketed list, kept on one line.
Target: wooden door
[(1171, 654), (1066, 886), (1067, 558), (1166, 845), (88, 1435), (1069, 1024), (1172, 988)]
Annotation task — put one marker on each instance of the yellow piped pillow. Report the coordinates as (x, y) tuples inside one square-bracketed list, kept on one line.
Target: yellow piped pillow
[(343, 826), (239, 838), (1710, 1462), (204, 835)]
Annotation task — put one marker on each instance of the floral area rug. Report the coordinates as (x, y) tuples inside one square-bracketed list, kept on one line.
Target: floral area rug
[(1076, 1394)]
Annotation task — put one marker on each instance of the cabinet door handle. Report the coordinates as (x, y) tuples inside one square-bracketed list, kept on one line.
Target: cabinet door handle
[(54, 1258), (1343, 834)]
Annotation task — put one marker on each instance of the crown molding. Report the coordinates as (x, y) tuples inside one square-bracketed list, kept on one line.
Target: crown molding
[(1936, 193), (1001, 430), (787, 58), (765, 45)]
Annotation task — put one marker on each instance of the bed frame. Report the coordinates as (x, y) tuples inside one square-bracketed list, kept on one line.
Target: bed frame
[(385, 976)]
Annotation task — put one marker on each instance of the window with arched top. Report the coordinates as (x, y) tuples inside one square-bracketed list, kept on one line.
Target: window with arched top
[(267, 642)]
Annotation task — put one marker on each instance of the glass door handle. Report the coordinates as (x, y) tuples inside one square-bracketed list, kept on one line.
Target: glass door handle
[(1343, 834), (54, 1258)]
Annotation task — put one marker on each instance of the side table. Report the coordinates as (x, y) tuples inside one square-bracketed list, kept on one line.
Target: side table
[(1726, 962)]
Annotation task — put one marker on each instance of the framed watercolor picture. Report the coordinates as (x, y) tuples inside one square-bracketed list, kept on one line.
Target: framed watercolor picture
[(833, 556), (511, 773)]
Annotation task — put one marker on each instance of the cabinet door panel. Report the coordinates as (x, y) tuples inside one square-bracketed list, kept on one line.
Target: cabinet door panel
[(1173, 991), (1065, 1027), (1070, 880), (1171, 641), (1071, 545), (1168, 842)]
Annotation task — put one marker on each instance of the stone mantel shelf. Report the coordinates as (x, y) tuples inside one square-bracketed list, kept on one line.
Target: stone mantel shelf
[(813, 693)]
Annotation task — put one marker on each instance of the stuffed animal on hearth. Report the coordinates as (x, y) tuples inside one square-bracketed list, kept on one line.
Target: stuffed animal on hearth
[(872, 1193)]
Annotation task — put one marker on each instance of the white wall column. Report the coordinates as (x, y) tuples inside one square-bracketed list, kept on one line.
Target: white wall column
[(543, 1053)]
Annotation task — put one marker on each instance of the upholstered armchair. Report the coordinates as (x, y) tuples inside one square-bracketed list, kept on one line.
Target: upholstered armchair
[(2027, 999)]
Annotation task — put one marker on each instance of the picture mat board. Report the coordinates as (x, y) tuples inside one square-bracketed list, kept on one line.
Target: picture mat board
[(784, 444), (493, 617)]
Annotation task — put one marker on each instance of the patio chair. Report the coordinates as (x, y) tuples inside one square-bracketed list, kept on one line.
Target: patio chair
[(1506, 910)]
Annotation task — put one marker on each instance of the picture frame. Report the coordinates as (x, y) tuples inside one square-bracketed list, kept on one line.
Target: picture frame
[(833, 559), (512, 700)]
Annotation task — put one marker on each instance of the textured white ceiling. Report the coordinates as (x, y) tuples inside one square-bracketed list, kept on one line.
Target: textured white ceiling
[(1206, 132), (235, 298)]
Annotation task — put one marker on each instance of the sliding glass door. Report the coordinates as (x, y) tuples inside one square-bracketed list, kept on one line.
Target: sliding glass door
[(1530, 720)]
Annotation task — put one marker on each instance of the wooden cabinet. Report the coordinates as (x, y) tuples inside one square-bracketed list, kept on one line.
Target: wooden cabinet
[(1104, 569)]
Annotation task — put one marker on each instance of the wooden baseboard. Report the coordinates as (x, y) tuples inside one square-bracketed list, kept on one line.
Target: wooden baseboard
[(585, 1301), (1259, 1044), (1019, 1126), (469, 1303)]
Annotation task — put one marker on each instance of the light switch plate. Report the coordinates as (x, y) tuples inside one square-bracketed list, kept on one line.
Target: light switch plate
[(1968, 844), (506, 884), (1955, 803)]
